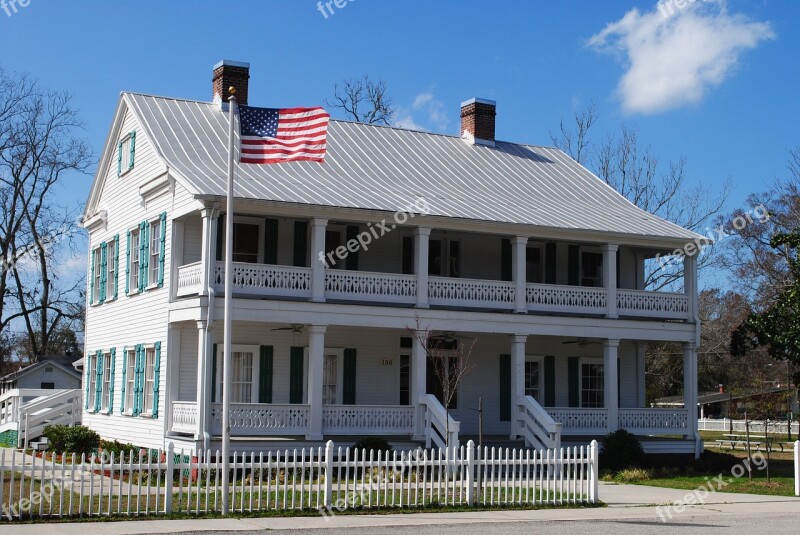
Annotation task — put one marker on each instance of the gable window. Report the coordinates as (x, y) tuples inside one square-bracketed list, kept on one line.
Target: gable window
[(97, 275), (134, 250), (126, 151), (130, 380), (592, 385), (105, 400), (591, 269), (155, 251)]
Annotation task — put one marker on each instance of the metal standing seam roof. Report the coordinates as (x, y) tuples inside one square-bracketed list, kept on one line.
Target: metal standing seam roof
[(386, 168)]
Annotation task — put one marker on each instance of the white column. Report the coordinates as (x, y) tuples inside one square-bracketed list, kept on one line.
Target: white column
[(316, 353), (517, 378), (641, 390), (202, 391), (208, 249), (690, 386), (418, 384), (611, 383), (318, 252), (172, 366), (690, 285), (176, 257), (519, 257), (421, 240), (610, 278)]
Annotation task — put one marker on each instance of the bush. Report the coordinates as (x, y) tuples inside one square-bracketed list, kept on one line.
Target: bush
[(632, 475), (375, 444), (79, 440), (620, 450), (132, 453)]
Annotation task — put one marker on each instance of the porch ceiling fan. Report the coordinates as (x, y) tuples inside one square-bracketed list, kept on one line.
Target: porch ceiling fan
[(296, 328), (582, 342), (446, 336)]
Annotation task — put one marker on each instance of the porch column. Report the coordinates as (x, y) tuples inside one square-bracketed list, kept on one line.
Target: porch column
[(610, 278), (172, 369), (690, 285), (611, 384), (208, 253), (421, 238), (519, 263), (690, 386), (203, 392), (318, 227), (418, 384), (316, 352), (641, 390), (517, 378)]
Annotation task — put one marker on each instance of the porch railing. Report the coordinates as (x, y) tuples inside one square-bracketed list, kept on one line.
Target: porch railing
[(654, 421), (447, 291), (441, 430), (652, 304), (536, 426), (581, 421), (367, 420), (262, 419), (189, 279), (184, 416), (266, 279), (382, 287), (574, 299)]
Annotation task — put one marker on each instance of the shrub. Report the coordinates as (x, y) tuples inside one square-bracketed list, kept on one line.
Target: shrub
[(375, 444), (132, 453), (621, 449), (632, 475), (79, 440)]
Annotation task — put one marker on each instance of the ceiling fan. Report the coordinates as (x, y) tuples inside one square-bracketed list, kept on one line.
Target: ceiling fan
[(296, 328), (582, 342), (446, 336)]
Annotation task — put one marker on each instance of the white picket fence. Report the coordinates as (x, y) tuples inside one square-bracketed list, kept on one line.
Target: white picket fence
[(326, 480), (738, 426)]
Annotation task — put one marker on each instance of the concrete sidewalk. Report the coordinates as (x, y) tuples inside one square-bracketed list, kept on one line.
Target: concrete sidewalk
[(625, 502)]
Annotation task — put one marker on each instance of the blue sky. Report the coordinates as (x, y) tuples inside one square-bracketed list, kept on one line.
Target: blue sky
[(721, 89)]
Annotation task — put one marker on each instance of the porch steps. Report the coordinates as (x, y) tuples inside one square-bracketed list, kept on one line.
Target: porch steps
[(494, 441)]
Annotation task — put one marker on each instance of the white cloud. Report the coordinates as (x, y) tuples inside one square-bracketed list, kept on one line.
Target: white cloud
[(425, 113), (674, 57)]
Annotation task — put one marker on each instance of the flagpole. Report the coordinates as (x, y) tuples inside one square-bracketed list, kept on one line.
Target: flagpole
[(227, 342)]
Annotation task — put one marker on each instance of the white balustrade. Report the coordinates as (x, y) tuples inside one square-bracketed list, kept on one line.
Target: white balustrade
[(262, 419), (266, 279), (367, 420), (441, 430), (472, 293), (652, 304), (369, 286), (189, 279), (654, 421), (566, 299), (184, 416), (536, 426), (581, 421)]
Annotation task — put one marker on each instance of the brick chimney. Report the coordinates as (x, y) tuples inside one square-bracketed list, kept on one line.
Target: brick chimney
[(229, 73), (477, 121)]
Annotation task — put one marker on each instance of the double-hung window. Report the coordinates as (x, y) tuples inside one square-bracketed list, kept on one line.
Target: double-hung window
[(105, 400), (125, 153), (135, 243), (155, 250), (592, 387), (149, 380), (97, 276), (111, 266), (91, 367), (591, 269), (533, 375), (130, 380), (330, 379)]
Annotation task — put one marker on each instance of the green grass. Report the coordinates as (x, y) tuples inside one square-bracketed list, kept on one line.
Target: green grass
[(778, 486)]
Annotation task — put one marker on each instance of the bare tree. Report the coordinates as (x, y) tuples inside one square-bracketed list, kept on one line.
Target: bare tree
[(450, 359), (37, 149), (363, 100), (576, 142)]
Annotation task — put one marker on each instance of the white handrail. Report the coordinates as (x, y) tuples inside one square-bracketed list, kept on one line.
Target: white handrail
[(536, 426), (443, 435)]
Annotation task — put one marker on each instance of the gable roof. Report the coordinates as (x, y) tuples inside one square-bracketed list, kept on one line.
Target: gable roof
[(33, 367), (388, 169)]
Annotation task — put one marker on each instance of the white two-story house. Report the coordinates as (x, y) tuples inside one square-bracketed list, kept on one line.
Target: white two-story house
[(514, 245)]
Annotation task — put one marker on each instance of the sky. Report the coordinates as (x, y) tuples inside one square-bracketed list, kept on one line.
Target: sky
[(715, 82)]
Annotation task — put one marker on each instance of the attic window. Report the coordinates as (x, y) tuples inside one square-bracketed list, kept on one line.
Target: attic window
[(126, 152), (48, 369)]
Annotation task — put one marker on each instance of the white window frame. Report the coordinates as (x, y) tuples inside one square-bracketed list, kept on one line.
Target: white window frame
[(91, 361), (97, 253), (256, 369), (105, 399), (589, 360), (339, 354), (149, 380), (110, 269), (130, 381), (154, 252), (595, 250), (444, 267), (126, 155), (539, 360), (133, 275)]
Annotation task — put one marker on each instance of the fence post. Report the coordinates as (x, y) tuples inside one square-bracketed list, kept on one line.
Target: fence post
[(797, 468), (593, 472), (169, 478), (470, 473), (328, 498)]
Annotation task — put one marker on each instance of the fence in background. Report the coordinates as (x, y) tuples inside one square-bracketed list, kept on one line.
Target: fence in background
[(325, 479), (724, 425)]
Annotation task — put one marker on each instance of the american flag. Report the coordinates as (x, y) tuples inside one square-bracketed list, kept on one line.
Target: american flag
[(271, 135)]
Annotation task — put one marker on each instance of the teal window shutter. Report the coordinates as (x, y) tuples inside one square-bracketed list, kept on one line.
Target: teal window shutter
[(128, 264), (156, 378), (550, 253), (116, 266), (98, 387), (296, 375), (574, 382), (505, 388), (214, 374), (574, 265), (103, 271), (88, 366), (349, 377), (300, 244), (91, 279), (549, 381), (133, 149), (111, 380), (119, 158), (124, 379), (265, 375), (271, 241), (161, 254)]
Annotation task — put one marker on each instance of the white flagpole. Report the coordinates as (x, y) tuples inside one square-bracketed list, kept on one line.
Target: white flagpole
[(226, 362)]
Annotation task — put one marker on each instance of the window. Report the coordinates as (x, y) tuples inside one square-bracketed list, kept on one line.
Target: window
[(111, 266), (155, 251), (130, 380), (47, 386), (591, 269), (333, 240), (134, 256), (97, 277), (435, 368), (125, 155), (532, 380), (246, 242), (149, 380), (105, 400), (592, 385), (48, 369), (444, 258), (533, 265), (329, 379), (91, 370), (405, 380), (242, 377)]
